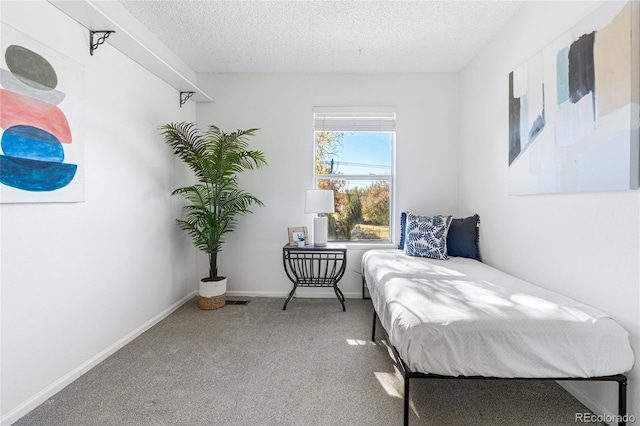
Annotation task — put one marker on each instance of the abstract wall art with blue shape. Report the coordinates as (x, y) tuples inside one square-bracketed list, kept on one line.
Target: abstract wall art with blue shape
[(574, 108), (41, 156)]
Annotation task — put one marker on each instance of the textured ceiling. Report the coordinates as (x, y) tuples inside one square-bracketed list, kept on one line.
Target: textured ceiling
[(321, 36)]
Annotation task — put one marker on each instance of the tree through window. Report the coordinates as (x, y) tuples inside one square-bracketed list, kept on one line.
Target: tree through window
[(354, 157)]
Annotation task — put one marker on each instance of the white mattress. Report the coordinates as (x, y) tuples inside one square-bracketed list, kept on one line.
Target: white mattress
[(460, 317)]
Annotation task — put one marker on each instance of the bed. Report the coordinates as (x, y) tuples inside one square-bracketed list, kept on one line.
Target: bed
[(460, 318)]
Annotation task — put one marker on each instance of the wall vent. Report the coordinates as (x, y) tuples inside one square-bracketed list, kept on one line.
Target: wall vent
[(236, 302)]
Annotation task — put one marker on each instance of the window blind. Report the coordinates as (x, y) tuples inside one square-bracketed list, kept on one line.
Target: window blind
[(327, 119)]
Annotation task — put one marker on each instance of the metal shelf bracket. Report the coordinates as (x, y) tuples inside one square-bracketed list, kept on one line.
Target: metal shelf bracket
[(184, 97), (93, 46)]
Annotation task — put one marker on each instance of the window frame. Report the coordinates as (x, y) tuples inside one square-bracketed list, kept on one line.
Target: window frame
[(356, 115)]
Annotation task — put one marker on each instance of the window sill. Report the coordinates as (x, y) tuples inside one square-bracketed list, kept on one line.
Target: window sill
[(368, 246)]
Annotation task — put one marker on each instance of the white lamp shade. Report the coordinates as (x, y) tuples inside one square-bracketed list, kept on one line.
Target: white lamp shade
[(319, 201)]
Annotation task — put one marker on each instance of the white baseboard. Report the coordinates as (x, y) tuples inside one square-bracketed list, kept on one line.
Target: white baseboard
[(46, 393), (596, 408), (310, 293)]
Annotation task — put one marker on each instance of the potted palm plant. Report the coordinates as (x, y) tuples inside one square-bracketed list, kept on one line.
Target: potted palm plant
[(215, 201)]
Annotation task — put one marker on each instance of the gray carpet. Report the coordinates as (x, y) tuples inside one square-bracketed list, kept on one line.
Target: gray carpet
[(258, 365)]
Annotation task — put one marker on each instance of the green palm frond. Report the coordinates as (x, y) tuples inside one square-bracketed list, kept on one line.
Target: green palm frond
[(216, 159)]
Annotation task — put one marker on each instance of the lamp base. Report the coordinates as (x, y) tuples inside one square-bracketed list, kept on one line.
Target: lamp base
[(320, 231)]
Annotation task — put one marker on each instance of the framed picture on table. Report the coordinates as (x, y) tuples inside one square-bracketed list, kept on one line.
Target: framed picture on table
[(298, 234)]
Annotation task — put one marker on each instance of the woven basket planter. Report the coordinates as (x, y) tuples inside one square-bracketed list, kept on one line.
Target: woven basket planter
[(208, 303), (212, 294)]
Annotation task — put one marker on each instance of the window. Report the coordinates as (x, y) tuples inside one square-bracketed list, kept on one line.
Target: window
[(354, 157)]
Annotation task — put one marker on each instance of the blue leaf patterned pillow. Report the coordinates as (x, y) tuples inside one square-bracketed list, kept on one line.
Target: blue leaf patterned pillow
[(427, 236)]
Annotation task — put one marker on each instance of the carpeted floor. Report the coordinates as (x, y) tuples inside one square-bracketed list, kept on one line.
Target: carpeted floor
[(258, 365)]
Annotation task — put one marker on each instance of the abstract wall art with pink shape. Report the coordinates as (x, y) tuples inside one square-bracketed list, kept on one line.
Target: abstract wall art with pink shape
[(41, 92)]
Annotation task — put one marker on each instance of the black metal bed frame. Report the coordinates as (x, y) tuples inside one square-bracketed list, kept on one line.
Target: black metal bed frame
[(407, 374)]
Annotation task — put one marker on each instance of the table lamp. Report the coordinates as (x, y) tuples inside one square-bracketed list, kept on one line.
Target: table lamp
[(319, 201)]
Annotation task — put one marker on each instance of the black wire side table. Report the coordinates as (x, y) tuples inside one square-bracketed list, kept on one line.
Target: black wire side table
[(311, 266)]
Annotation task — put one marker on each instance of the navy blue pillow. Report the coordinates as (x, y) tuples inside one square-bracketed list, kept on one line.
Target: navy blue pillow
[(463, 237), (403, 226)]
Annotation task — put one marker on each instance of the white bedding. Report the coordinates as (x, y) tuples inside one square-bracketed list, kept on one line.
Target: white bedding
[(462, 317)]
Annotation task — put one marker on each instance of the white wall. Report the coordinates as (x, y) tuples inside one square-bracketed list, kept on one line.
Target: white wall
[(584, 245), (78, 280), (281, 105), (83, 276)]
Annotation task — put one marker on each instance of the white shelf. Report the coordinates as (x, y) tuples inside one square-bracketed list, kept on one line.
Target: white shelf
[(134, 40)]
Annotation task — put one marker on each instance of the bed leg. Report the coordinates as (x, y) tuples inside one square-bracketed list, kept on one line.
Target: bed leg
[(406, 400), (373, 327), (622, 400)]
